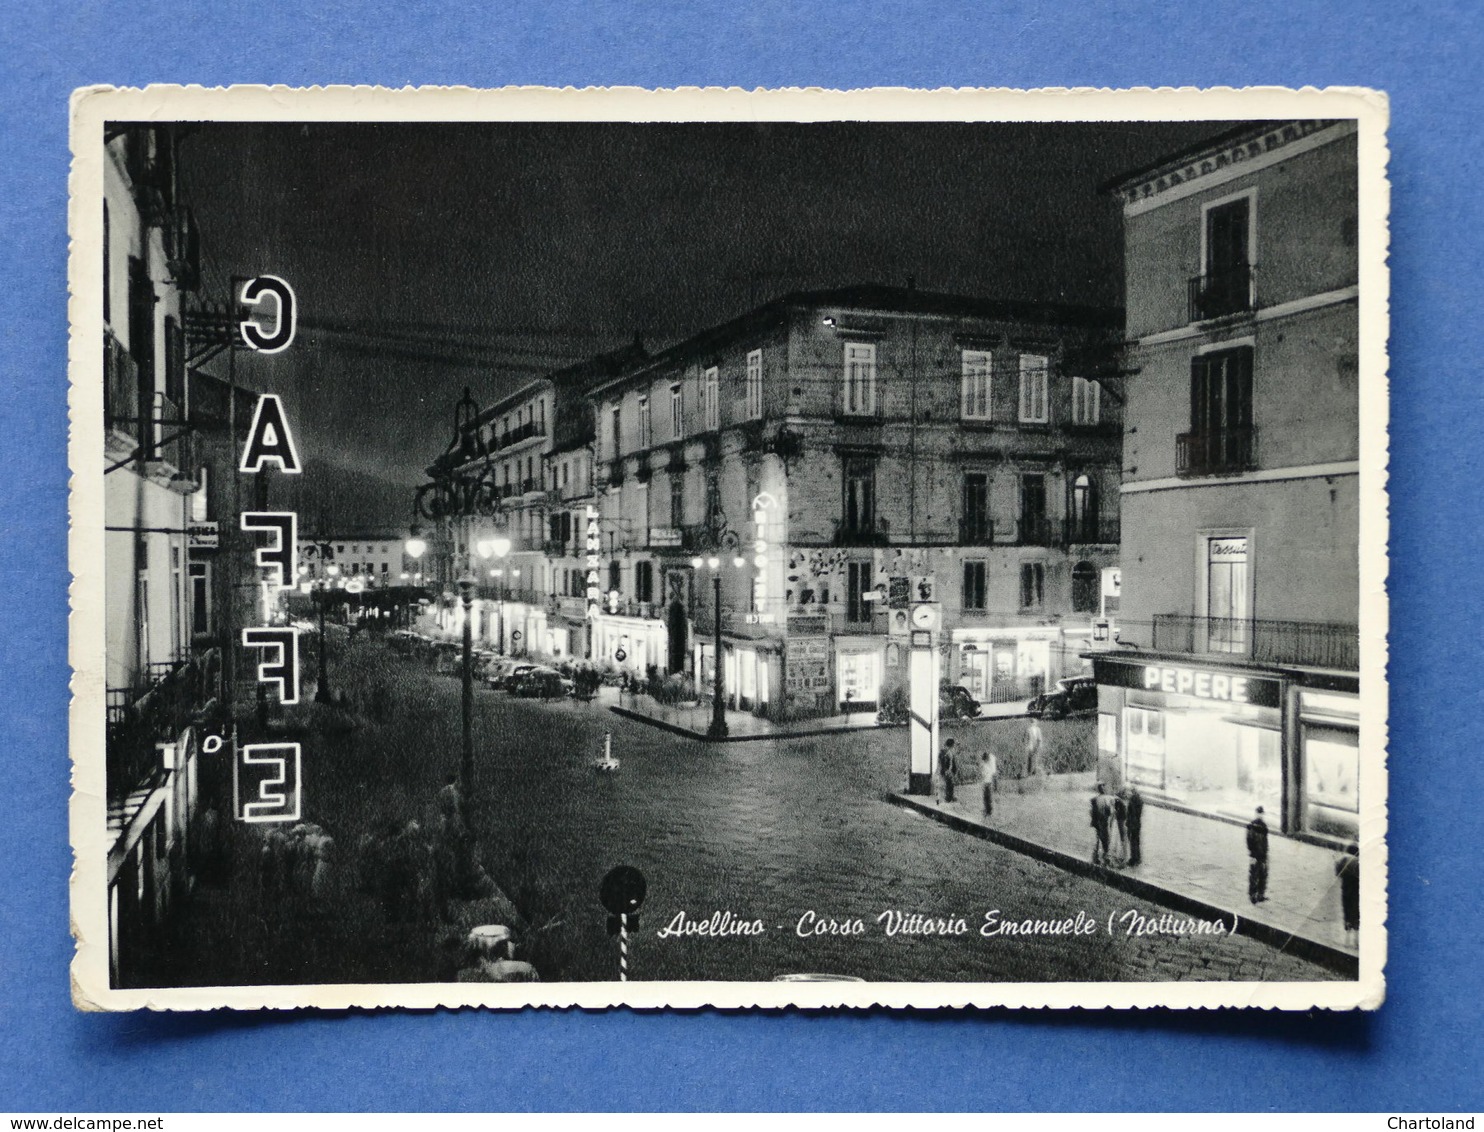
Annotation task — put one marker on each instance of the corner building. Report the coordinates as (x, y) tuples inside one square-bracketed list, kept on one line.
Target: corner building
[(843, 456), (1236, 681)]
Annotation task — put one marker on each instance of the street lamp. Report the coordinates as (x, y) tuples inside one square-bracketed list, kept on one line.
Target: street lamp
[(718, 728), (322, 694), (498, 548)]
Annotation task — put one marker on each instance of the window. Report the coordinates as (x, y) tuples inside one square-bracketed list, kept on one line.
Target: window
[(1227, 608), (615, 449), (860, 379), (973, 595), (978, 372), (677, 502), (1032, 585), (857, 584), (644, 581), (677, 413), (1033, 408), (200, 598), (615, 577), (860, 494), (977, 529), (711, 398), (713, 497), (1086, 401), (1033, 525), (1221, 437), (1084, 506), (645, 439), (1227, 285), (754, 385), (1085, 588), (200, 499)]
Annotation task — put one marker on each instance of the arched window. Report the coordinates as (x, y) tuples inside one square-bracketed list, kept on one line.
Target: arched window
[(1084, 588), (1084, 509)]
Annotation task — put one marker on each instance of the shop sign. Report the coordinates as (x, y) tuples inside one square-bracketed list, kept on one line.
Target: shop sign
[(807, 623), (593, 545), (806, 665), (203, 535), (1199, 683), (762, 503), (664, 537)]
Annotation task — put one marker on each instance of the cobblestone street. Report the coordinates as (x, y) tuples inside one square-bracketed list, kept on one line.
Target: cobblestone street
[(768, 831)]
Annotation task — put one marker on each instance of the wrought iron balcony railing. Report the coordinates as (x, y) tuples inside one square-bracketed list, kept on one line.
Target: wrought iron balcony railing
[(1315, 644), (1226, 451), (1221, 293), (168, 697), (1091, 530)]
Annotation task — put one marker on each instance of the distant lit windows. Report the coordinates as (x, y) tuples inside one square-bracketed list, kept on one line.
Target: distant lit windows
[(645, 437), (1033, 379), (859, 393), (754, 396), (976, 385), (1086, 401), (711, 398), (1032, 585)]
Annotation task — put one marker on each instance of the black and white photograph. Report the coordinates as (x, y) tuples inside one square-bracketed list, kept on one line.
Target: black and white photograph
[(718, 548)]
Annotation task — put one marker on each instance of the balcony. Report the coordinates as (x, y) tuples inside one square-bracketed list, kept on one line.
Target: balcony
[(1314, 644), (529, 485), (518, 434), (170, 695), (1037, 530), (977, 530), (1221, 293), (559, 548), (872, 533), (1223, 452), (1091, 531)]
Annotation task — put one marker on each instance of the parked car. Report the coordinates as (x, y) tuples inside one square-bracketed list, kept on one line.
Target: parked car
[(504, 671), (955, 702), (1071, 695), (542, 683)]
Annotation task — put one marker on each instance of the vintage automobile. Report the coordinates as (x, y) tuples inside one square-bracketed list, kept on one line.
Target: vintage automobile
[(542, 683), (955, 702), (1071, 696)]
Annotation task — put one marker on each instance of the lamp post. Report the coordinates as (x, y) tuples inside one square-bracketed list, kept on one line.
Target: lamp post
[(497, 548), (322, 694), (718, 728), (466, 758), (415, 547)]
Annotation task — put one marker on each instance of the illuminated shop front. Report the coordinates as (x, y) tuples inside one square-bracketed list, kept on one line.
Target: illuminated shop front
[(1225, 740), (858, 675), (1004, 665)]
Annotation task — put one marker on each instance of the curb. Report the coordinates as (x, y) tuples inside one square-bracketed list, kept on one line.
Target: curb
[(1316, 951), (701, 736)]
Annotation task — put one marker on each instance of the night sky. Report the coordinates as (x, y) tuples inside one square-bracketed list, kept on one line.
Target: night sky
[(428, 257)]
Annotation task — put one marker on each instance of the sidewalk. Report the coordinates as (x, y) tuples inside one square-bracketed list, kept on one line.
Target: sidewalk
[(1192, 864), (693, 721)]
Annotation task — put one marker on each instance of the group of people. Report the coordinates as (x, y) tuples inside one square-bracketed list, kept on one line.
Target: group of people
[(949, 767), (1118, 827)]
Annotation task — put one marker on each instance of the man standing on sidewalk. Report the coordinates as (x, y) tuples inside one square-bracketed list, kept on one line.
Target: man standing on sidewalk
[(1102, 819), (989, 770), (1257, 850), (946, 767), (1033, 740), (1134, 803)]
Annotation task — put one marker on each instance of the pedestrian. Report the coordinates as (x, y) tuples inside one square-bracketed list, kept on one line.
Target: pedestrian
[(989, 771), (1102, 819), (1347, 868), (1033, 741), (1120, 824), (1134, 803), (1257, 850), (946, 766)]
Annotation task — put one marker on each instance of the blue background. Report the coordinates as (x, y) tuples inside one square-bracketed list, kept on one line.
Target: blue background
[(1421, 1051)]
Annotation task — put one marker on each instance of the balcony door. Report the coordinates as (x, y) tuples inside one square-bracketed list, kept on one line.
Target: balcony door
[(1227, 286), (1221, 411), (1228, 600), (1032, 509)]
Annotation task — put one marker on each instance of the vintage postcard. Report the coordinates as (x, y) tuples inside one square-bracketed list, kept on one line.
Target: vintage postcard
[(681, 548)]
